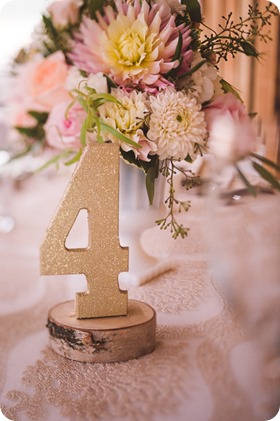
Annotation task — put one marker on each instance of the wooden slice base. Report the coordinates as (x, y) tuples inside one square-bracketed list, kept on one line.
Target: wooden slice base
[(107, 339)]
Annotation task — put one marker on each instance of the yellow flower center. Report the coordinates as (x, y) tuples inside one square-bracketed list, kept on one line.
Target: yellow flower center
[(130, 48)]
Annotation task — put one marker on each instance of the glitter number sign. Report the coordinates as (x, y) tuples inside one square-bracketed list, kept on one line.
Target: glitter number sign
[(94, 186)]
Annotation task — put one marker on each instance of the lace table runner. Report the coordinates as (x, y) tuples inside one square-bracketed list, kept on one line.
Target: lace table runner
[(212, 362)]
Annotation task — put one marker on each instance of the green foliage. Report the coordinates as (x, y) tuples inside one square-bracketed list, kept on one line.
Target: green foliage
[(263, 172), (266, 175), (169, 169), (238, 37), (193, 69), (109, 129), (55, 160), (143, 165), (251, 189), (228, 88), (150, 184), (75, 158), (193, 9), (176, 56), (94, 6), (266, 161), (91, 101), (37, 132), (58, 39), (41, 117), (258, 163)]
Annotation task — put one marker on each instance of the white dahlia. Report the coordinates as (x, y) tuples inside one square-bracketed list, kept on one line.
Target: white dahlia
[(177, 125)]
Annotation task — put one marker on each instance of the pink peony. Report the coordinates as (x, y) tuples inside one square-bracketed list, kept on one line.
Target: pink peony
[(64, 132), (64, 12), (231, 133), (133, 45)]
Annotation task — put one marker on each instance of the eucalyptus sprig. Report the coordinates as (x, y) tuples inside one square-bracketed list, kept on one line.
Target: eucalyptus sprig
[(169, 169), (238, 37)]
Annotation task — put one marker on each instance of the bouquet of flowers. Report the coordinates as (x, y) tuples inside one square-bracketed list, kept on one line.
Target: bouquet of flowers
[(143, 74)]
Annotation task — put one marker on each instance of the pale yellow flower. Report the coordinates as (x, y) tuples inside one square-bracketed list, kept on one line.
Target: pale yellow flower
[(128, 119)]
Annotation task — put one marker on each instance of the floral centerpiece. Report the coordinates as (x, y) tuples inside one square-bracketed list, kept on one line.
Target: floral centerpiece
[(143, 74)]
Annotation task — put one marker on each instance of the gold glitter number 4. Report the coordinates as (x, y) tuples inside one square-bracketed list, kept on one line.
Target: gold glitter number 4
[(94, 186)]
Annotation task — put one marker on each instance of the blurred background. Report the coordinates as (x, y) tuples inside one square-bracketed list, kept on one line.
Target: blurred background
[(257, 81)]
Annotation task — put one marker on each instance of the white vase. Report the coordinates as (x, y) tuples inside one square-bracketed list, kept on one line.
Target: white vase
[(136, 216)]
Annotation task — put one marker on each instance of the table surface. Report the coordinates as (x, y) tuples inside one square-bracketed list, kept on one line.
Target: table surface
[(217, 355)]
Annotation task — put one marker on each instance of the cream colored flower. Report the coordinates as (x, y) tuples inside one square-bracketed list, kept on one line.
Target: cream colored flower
[(128, 119), (202, 82), (76, 81), (177, 125)]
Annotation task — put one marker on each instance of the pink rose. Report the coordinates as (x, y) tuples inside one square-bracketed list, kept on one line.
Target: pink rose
[(64, 132), (39, 84), (231, 133), (65, 12)]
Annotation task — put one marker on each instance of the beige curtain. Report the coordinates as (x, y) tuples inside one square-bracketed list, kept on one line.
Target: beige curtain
[(257, 81)]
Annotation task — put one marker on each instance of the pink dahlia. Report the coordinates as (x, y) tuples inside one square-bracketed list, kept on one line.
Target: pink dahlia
[(133, 45)]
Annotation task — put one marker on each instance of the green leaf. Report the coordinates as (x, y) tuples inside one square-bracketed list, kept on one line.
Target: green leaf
[(75, 158), (143, 165), (150, 183), (179, 46), (83, 103), (21, 153), (40, 117), (251, 189), (107, 97), (249, 49), (130, 158), (176, 56), (111, 84), (193, 69), (94, 6), (84, 132), (252, 115), (194, 10), (188, 159), (69, 106), (54, 160), (50, 29), (27, 131), (266, 161), (79, 92), (37, 132), (105, 127), (227, 87), (266, 175)]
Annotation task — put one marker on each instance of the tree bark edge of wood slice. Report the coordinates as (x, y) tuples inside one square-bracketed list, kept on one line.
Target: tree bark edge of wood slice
[(102, 340)]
